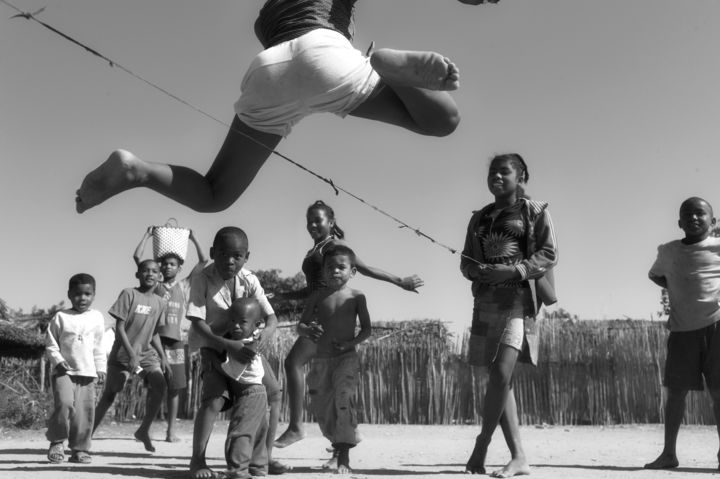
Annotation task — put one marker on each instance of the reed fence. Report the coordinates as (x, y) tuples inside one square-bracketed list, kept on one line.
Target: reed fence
[(590, 372)]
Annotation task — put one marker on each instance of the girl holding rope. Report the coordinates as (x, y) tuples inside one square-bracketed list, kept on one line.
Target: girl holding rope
[(509, 253), (308, 66), (324, 232)]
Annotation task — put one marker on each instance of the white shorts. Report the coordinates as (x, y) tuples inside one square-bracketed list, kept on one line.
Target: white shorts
[(319, 71)]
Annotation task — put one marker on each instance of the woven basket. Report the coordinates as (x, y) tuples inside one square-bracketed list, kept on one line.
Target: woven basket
[(170, 239)]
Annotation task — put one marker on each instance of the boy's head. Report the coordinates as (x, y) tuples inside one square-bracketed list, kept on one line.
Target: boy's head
[(696, 219), (229, 251), (339, 265), (170, 266), (246, 316), (81, 291), (148, 272)]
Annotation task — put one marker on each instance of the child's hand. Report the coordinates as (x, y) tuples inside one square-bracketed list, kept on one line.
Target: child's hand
[(411, 283), (240, 351), (133, 363), (166, 369), (498, 273), (311, 330), (101, 378), (63, 368), (150, 230)]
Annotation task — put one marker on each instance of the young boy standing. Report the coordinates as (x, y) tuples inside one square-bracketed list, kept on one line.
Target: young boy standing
[(175, 292), (139, 313), (329, 319), (74, 348), (212, 292), (690, 270)]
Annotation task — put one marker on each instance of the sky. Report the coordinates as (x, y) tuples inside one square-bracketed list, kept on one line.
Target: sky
[(613, 104)]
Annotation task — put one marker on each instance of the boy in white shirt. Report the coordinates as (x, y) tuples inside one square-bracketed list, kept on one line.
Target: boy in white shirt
[(74, 348)]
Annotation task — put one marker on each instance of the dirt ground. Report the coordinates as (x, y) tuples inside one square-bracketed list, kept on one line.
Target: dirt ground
[(386, 451)]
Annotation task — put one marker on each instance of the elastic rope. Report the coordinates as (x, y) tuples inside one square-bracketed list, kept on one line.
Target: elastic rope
[(331, 183)]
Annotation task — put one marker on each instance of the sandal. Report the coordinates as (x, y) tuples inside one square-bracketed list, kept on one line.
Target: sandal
[(80, 457), (56, 453)]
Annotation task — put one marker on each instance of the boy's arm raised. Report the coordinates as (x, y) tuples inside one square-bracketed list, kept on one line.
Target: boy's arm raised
[(202, 259), (137, 256)]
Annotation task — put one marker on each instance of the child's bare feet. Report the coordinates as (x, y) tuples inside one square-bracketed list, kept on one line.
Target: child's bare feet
[(120, 172), (144, 437), (427, 70), (289, 437), (476, 463), (171, 438), (664, 461), (331, 463), (343, 461), (516, 467), (202, 472)]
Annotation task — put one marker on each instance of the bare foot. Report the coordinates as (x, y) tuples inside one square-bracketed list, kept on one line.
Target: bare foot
[(516, 467), (664, 461), (202, 472), (427, 70), (343, 461), (120, 172), (476, 463), (144, 437), (289, 437), (172, 438), (331, 463)]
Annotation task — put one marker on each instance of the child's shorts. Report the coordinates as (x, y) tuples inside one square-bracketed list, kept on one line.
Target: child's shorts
[(175, 354), (494, 324), (692, 355), (118, 374), (319, 71)]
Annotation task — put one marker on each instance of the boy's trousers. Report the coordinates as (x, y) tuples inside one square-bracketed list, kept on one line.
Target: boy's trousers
[(74, 411), (245, 445), (333, 384)]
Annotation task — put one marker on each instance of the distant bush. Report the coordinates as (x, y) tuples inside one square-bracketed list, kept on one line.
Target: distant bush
[(22, 402)]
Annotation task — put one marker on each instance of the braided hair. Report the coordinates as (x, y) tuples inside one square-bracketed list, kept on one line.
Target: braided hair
[(335, 231)]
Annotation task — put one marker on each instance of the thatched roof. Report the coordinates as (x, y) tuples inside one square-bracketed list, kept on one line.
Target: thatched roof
[(16, 342)]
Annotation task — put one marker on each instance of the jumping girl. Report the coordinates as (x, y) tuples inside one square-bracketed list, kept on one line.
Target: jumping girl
[(509, 253), (308, 66), (325, 232)]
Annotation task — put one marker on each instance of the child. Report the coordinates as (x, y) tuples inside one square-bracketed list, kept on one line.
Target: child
[(325, 232), (73, 346), (139, 313), (509, 243), (212, 292), (175, 293), (329, 320), (309, 66), (690, 270), (246, 445)]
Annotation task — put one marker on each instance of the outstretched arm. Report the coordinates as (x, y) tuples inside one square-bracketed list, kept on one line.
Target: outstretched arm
[(137, 256), (409, 283)]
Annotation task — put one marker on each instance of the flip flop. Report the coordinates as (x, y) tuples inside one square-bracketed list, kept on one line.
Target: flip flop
[(56, 453)]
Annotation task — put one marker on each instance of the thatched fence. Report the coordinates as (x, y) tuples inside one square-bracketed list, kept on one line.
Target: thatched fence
[(590, 372)]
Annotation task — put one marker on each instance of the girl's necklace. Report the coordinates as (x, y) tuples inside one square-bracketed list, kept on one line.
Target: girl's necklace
[(319, 246)]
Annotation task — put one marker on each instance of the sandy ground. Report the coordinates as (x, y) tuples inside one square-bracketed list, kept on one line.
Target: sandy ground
[(386, 451)]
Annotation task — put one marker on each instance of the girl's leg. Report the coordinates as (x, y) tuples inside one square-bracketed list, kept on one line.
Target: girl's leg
[(496, 398), (302, 351), (510, 426), (234, 168), (400, 101)]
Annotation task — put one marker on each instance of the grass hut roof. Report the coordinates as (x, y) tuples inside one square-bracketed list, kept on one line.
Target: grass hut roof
[(16, 342)]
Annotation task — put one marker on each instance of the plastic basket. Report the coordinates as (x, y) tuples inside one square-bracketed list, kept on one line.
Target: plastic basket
[(170, 239)]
